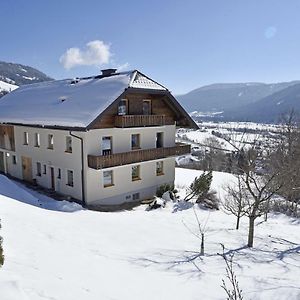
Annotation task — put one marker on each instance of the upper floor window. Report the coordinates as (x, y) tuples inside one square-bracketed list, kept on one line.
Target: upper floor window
[(106, 145), (146, 107), (69, 144), (50, 141), (108, 178), (37, 142), (122, 108), (159, 139), (135, 141), (70, 178), (25, 138)]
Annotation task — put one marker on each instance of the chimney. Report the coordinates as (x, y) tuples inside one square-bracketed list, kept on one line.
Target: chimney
[(108, 72)]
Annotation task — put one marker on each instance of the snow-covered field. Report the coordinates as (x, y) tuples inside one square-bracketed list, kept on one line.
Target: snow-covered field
[(58, 251), (4, 86)]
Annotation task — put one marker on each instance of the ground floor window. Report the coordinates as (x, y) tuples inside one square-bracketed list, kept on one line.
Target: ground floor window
[(108, 178), (159, 168), (136, 196), (45, 169), (38, 169), (14, 160), (70, 178), (135, 173), (59, 173)]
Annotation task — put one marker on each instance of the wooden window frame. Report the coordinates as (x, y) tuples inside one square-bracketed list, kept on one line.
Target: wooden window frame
[(126, 104), (68, 183), (50, 141), (138, 177), (37, 140), (69, 149), (150, 105), (26, 138), (138, 140), (112, 178), (162, 168)]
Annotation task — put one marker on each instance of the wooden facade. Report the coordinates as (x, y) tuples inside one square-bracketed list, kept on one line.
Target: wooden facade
[(136, 156), (7, 137), (161, 107)]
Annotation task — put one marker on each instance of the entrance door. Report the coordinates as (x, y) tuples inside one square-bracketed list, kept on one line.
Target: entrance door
[(2, 168), (106, 145), (52, 178), (27, 168)]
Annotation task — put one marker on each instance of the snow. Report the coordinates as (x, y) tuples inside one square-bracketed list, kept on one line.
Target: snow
[(58, 252), (7, 86), (41, 103)]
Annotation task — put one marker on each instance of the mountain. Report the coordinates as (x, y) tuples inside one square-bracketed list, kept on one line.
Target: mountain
[(228, 96), (268, 109), (18, 74)]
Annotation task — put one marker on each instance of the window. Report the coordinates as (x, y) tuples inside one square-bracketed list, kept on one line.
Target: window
[(38, 169), (50, 141), (122, 108), (135, 196), (108, 178), (160, 168), (69, 144), (159, 139), (70, 178), (58, 173), (135, 141), (135, 173), (14, 160), (147, 107), (106, 145), (25, 138), (37, 142), (45, 169)]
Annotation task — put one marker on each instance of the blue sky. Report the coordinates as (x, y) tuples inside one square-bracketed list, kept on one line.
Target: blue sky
[(182, 44)]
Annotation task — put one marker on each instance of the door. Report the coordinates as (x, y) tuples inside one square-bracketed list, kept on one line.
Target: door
[(106, 145), (52, 178), (2, 168), (26, 168), (159, 139)]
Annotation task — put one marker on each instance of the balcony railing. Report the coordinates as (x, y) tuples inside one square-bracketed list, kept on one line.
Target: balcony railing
[(142, 120), (135, 156)]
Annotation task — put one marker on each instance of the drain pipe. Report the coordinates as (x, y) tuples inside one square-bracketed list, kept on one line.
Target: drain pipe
[(82, 169)]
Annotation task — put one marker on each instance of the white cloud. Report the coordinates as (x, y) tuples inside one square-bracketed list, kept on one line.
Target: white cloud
[(96, 53), (123, 67)]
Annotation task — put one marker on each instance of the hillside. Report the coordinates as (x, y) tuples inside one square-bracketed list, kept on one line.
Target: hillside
[(18, 74), (57, 250), (269, 108), (6, 88), (227, 96)]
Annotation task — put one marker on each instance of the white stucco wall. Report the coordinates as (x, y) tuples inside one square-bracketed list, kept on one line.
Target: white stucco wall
[(94, 190)]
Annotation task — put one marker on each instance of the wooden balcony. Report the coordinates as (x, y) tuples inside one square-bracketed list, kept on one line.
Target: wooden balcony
[(142, 120), (135, 156)]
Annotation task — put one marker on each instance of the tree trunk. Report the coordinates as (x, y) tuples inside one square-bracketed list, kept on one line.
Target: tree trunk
[(251, 231), (202, 244), (238, 222)]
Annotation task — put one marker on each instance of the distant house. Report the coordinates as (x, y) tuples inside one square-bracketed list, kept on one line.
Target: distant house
[(102, 140)]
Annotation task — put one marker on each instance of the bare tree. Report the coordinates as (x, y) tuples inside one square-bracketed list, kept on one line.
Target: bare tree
[(233, 292), (1, 251), (256, 177), (236, 200)]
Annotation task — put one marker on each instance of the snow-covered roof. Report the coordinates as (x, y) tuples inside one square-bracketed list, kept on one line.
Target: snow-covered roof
[(67, 102)]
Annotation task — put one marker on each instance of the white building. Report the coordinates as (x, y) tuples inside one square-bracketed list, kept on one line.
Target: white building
[(103, 140)]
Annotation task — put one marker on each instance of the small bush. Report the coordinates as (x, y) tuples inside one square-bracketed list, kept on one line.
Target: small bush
[(166, 188)]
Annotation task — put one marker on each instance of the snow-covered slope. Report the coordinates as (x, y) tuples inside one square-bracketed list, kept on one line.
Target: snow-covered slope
[(58, 251), (6, 87)]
